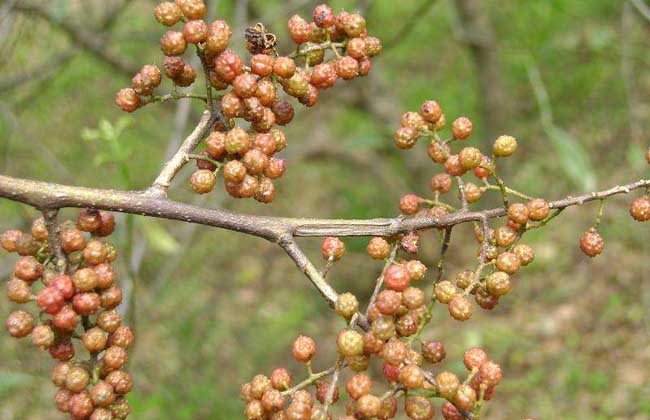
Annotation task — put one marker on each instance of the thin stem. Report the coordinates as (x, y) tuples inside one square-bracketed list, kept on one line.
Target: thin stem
[(380, 280), (309, 381), (508, 190)]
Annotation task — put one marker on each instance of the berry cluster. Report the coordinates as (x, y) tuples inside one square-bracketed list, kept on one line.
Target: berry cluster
[(76, 296), (330, 47), (396, 317)]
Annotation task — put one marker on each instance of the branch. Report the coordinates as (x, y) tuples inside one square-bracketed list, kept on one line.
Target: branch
[(44, 195), (180, 158)]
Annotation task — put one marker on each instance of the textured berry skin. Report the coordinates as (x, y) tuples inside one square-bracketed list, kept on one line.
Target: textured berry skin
[(433, 351), (640, 209), (18, 291), (50, 300), (19, 324), (394, 352), (525, 253), (173, 43), (86, 303), (405, 137), (438, 152), (72, 240), (28, 268), (121, 381), (431, 111), (416, 269), (323, 16), (409, 204), (281, 379), (460, 308), (419, 408), (80, 405), (397, 277), (498, 283), (202, 181), (490, 373), (195, 31), (518, 213), (470, 157), (85, 280), (472, 192), (411, 376), (43, 336), (228, 65), (192, 9), (504, 146), (347, 68), (368, 406), (219, 34), (10, 239), (332, 248), (440, 183), (358, 386), (346, 305), (378, 248), (474, 358), (453, 166), (167, 13), (123, 337), (303, 348), (298, 29), (445, 291), (505, 236), (127, 99), (461, 128), (77, 379), (508, 262), (66, 319), (450, 412), (538, 209), (349, 343), (591, 243)]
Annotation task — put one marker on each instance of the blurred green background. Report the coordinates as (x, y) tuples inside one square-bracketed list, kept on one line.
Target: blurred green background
[(212, 308)]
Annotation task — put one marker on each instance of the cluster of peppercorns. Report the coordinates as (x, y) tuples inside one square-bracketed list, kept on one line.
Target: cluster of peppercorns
[(330, 47), (76, 299), (395, 318)]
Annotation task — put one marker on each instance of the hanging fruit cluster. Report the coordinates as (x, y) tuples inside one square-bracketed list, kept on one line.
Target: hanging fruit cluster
[(255, 90), (75, 295)]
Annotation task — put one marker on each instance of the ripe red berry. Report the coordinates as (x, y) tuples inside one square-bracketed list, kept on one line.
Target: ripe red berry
[(202, 181), (66, 319), (219, 34), (508, 262), (474, 358), (409, 204), (460, 308), (106, 226), (195, 31), (405, 137), (228, 65), (640, 209), (19, 324), (332, 248), (284, 67), (127, 99), (193, 9), (304, 348), (440, 183), (358, 386), (72, 240), (453, 166), (102, 394), (80, 405), (173, 43), (86, 303), (115, 357), (591, 243), (430, 111), (121, 381), (281, 379), (490, 373), (323, 16), (28, 268), (433, 351), (538, 209), (397, 277), (298, 29), (50, 300), (461, 128), (347, 68)]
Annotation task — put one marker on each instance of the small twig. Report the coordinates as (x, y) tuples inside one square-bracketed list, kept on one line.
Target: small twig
[(461, 193), (53, 229), (380, 279)]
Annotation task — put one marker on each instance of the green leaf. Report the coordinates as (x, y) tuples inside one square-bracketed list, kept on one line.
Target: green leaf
[(574, 158), (158, 237)]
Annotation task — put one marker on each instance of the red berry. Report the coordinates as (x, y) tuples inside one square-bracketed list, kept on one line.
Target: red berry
[(50, 300), (397, 277), (592, 243), (303, 348), (640, 209)]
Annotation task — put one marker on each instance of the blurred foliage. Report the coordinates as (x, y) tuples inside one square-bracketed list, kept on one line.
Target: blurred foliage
[(213, 308)]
